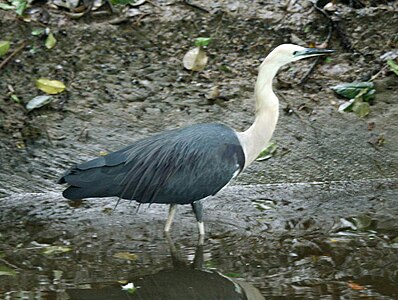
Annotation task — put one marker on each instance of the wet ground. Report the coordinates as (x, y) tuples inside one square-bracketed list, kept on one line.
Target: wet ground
[(316, 221)]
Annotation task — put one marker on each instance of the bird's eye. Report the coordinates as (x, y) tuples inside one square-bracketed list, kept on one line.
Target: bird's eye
[(294, 53)]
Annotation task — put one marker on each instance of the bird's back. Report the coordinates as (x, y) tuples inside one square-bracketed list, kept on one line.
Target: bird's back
[(177, 166)]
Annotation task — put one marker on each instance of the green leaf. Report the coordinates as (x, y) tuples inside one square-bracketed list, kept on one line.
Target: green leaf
[(268, 152), (346, 106), (21, 6), (225, 68), (361, 108), (50, 41), (264, 204), (56, 250), (6, 271), (202, 41), (351, 90), (38, 31), (126, 255), (210, 264), (122, 2), (51, 87), (6, 6), (4, 46), (363, 222), (33, 50), (232, 275), (393, 66), (15, 98), (38, 101), (369, 95)]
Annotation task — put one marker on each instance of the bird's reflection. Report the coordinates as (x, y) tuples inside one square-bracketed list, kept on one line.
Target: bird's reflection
[(182, 281)]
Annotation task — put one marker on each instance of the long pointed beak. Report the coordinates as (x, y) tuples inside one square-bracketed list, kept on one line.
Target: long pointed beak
[(312, 52)]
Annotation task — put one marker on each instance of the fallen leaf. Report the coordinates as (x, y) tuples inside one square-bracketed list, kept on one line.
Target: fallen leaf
[(126, 255), (363, 222), (355, 286), (123, 2), (346, 106), (137, 2), (6, 271), (129, 287), (380, 141), (15, 98), (20, 6), (51, 87), (393, 66), (37, 31), (6, 6), (50, 41), (195, 59), (56, 250), (123, 281), (20, 145), (38, 101), (351, 90), (233, 275), (268, 152), (213, 94), (69, 4), (362, 109), (202, 41), (4, 46)]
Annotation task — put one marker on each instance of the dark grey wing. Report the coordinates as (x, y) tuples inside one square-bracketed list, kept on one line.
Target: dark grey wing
[(177, 166)]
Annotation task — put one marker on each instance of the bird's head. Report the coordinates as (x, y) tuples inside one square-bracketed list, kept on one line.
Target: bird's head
[(287, 53)]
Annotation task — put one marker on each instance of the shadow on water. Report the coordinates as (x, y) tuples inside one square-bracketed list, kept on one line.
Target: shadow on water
[(182, 281)]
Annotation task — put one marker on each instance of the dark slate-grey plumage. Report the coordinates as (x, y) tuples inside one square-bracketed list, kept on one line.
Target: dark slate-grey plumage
[(178, 166)]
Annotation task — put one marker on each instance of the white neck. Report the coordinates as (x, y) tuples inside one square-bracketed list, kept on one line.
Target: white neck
[(256, 138)]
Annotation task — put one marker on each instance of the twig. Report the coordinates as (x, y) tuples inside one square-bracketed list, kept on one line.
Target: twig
[(140, 17), (345, 43), (83, 132), (10, 264), (378, 73), (155, 4), (12, 55), (325, 42), (310, 70), (188, 2)]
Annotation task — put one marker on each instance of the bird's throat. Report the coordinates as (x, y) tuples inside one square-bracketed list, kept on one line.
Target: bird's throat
[(256, 138)]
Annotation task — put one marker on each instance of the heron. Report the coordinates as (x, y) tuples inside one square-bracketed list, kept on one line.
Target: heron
[(185, 165)]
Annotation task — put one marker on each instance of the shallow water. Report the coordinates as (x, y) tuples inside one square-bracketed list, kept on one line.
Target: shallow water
[(278, 241)]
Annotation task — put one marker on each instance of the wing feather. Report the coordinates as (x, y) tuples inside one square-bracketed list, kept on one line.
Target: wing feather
[(177, 166)]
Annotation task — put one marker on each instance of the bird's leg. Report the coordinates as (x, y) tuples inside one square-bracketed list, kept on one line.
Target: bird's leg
[(172, 211), (197, 208)]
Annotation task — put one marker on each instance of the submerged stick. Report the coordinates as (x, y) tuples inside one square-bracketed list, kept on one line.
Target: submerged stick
[(13, 54)]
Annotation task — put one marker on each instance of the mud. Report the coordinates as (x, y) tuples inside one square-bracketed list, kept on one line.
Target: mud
[(316, 220)]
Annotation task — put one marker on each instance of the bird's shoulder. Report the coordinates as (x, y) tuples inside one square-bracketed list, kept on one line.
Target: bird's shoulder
[(210, 139)]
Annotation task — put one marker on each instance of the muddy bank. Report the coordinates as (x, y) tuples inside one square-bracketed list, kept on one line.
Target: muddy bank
[(130, 83)]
